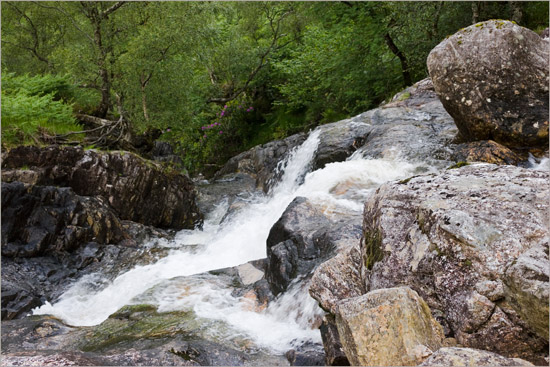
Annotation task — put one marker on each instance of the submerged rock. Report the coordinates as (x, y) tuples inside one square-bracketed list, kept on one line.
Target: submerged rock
[(387, 327), (470, 357), (492, 77), (136, 189), (473, 243)]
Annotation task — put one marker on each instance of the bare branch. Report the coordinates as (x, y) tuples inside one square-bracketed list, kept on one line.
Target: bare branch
[(112, 9)]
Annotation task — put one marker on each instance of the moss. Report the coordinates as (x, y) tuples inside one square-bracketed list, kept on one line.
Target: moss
[(138, 322), (404, 96), (188, 355), (372, 241), (467, 262), (458, 165), (421, 222)]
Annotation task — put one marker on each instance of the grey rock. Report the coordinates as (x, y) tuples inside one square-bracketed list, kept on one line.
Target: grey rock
[(338, 140), (337, 279), (135, 188), (528, 288), (414, 126), (470, 357), (249, 274), (302, 239), (469, 242), (492, 77)]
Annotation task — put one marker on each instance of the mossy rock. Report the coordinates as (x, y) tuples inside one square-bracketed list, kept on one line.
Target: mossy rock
[(140, 323), (373, 248)]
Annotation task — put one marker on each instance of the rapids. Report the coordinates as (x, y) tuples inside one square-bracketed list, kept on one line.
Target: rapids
[(241, 237)]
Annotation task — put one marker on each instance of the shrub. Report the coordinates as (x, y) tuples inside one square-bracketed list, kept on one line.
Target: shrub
[(32, 105)]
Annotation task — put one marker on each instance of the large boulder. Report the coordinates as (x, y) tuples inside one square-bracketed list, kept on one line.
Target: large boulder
[(302, 239), (492, 77), (470, 357), (387, 327), (137, 189), (473, 242)]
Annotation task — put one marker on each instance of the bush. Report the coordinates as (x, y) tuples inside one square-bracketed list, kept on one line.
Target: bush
[(32, 105)]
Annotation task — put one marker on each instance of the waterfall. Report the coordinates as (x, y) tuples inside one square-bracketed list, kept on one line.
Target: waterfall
[(240, 238)]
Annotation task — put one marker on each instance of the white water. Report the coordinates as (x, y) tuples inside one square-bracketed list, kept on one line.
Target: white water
[(541, 164), (337, 188)]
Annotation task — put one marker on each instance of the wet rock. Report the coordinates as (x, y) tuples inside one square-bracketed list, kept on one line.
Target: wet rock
[(337, 279), (334, 351), (262, 161), (485, 151), (306, 355), (302, 239), (40, 219), (207, 353), (469, 241), (230, 190), (51, 237), (470, 357), (387, 327), (133, 336), (415, 126), (338, 140), (249, 274), (137, 189), (492, 77)]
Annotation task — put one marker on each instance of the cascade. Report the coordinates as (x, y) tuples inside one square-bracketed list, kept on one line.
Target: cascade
[(239, 238)]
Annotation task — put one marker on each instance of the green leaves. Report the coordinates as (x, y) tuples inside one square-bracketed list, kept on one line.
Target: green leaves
[(32, 104)]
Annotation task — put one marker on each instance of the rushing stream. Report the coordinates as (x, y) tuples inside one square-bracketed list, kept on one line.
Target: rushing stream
[(239, 238)]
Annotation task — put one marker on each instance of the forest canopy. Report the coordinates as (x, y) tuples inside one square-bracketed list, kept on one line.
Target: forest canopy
[(215, 78)]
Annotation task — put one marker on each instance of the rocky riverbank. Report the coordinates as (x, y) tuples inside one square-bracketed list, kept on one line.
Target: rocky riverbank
[(447, 265)]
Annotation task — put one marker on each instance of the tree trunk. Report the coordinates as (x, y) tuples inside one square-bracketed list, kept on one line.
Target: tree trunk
[(404, 64), (475, 12), (105, 103), (435, 25), (516, 10), (143, 84)]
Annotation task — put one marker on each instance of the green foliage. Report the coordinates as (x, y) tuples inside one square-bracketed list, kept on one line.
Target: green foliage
[(174, 65), (31, 105)]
